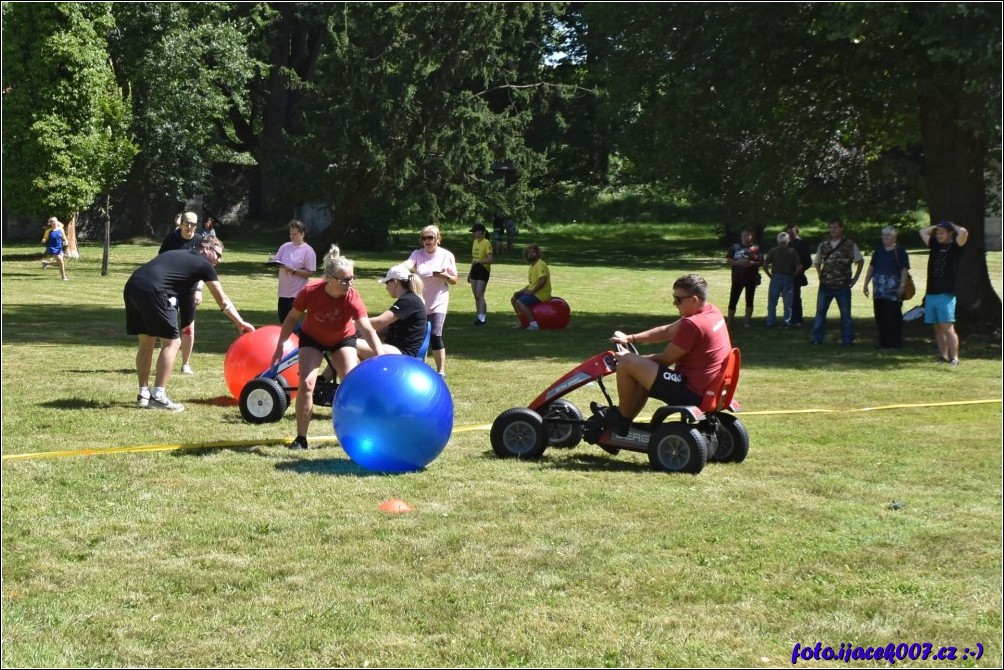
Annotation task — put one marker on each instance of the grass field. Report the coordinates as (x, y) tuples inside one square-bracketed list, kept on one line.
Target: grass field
[(867, 513)]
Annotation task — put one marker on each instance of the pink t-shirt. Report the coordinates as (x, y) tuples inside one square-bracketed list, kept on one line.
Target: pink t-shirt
[(437, 290), (298, 257), (705, 337)]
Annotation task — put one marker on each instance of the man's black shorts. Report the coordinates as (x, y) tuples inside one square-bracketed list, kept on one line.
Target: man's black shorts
[(152, 314), (671, 388)]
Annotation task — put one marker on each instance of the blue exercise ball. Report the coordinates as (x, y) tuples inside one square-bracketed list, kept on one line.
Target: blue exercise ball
[(393, 414)]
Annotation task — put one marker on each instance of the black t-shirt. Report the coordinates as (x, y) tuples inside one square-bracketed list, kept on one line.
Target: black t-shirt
[(408, 332), (175, 241), (173, 272), (942, 266)]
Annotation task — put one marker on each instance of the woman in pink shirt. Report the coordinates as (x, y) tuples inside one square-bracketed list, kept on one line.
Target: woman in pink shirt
[(299, 262), (438, 269)]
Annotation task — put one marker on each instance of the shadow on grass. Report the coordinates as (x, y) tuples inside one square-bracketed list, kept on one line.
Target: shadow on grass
[(588, 458), (80, 403), (327, 466), (218, 401)]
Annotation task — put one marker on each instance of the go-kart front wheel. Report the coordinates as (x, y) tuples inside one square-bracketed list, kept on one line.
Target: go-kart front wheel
[(678, 447), (262, 401), (563, 435), (519, 433)]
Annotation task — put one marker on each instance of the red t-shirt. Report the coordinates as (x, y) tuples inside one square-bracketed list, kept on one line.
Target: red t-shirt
[(329, 320), (705, 337)]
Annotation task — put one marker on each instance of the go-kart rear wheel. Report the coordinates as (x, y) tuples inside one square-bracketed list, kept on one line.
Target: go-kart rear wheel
[(563, 435), (733, 439), (262, 400), (519, 433), (678, 447)]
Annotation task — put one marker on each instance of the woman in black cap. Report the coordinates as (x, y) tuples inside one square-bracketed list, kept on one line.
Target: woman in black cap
[(481, 270)]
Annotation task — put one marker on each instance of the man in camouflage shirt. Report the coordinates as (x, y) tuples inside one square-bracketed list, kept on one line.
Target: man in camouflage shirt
[(834, 259)]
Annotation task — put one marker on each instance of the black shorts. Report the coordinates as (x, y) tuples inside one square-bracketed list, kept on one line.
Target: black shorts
[(480, 273), (152, 314), (307, 341), (671, 388)]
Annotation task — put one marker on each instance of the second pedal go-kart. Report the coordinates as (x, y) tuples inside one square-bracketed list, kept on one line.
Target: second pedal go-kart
[(265, 398), (678, 438)]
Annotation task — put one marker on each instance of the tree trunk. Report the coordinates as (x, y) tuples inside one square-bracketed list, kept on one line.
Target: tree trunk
[(296, 46), (348, 215), (955, 159), (106, 249)]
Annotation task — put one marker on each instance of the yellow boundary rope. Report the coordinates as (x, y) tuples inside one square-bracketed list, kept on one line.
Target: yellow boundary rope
[(462, 429)]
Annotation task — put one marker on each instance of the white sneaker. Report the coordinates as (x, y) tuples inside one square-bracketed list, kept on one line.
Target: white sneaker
[(186, 369), (163, 402), (142, 400), (45, 265), (533, 326)]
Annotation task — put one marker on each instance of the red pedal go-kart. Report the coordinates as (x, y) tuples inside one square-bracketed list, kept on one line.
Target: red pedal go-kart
[(683, 444)]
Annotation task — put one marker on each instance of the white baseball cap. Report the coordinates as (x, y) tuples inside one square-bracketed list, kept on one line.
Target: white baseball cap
[(398, 272)]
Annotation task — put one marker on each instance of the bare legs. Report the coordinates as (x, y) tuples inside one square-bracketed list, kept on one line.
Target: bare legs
[(165, 361), (344, 360), (635, 376), (947, 340)]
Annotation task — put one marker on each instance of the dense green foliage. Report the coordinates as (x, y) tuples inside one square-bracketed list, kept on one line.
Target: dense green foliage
[(66, 121), (397, 113)]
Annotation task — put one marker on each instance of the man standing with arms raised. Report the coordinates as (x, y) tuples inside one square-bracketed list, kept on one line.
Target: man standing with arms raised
[(942, 272)]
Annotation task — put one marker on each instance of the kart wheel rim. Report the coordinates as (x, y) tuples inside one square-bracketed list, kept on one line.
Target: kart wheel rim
[(260, 403), (520, 437)]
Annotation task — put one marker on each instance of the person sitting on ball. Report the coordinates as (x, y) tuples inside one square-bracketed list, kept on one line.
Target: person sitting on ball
[(538, 288), (405, 321), (698, 346), (334, 312)]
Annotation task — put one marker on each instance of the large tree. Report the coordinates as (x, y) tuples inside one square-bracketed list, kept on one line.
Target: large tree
[(776, 109), (188, 66), (410, 107), (66, 121)]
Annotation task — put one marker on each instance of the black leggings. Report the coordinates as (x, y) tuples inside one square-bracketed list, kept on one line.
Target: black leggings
[(737, 288)]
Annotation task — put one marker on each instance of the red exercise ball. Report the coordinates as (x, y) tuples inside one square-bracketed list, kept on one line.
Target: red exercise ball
[(553, 314), (250, 355)]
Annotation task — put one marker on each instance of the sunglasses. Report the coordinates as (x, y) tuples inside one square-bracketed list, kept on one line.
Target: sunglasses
[(428, 238), (187, 224), (677, 299), (345, 281), (219, 256)]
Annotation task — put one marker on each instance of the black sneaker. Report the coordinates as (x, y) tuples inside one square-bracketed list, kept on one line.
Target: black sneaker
[(299, 443), (478, 322), (611, 418), (618, 422)]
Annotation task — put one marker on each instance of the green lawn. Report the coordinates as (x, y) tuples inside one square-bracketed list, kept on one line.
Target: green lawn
[(868, 511)]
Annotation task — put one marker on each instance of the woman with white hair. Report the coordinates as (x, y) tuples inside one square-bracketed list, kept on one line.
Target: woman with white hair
[(438, 269), (888, 269), (335, 313)]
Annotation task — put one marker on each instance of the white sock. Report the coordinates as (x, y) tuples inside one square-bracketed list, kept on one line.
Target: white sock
[(532, 323), (481, 317), (158, 392), (144, 391)]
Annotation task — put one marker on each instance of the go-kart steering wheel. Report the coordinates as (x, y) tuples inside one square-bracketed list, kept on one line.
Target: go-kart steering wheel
[(629, 347)]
